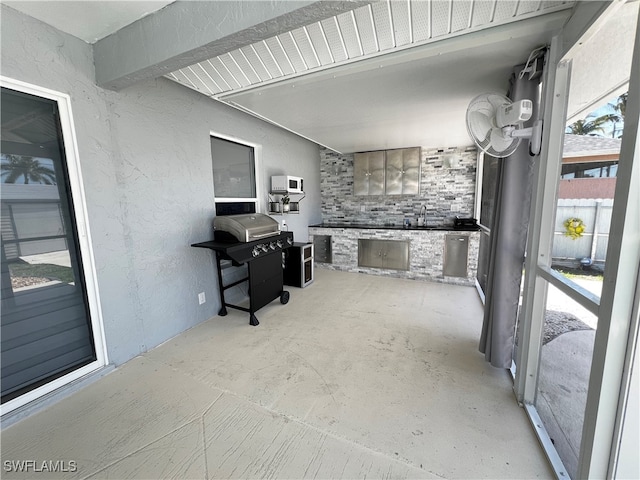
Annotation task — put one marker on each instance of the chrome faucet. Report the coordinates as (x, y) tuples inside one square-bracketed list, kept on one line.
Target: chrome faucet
[(423, 215)]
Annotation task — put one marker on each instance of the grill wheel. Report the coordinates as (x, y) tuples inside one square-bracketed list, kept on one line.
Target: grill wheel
[(284, 297)]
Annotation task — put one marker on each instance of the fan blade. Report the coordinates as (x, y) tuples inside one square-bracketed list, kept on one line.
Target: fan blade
[(479, 125), (482, 125), (502, 143)]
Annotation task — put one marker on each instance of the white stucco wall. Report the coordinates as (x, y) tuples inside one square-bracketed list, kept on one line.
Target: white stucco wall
[(601, 64), (146, 163)]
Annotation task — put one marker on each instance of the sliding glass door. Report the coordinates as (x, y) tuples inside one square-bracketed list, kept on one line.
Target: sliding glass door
[(46, 324)]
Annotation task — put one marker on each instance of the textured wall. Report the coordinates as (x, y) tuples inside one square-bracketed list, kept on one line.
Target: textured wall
[(445, 191), (146, 164), (596, 187)]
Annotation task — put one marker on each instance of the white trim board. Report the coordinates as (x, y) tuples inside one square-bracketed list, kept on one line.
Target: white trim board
[(79, 206)]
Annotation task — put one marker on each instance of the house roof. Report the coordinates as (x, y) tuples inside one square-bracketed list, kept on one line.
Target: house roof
[(589, 146)]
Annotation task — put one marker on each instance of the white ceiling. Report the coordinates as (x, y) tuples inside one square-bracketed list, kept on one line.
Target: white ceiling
[(89, 20), (601, 63), (378, 28), (390, 75), (415, 98)]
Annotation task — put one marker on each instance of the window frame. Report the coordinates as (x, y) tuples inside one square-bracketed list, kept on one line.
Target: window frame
[(257, 165), (614, 348), (79, 207)]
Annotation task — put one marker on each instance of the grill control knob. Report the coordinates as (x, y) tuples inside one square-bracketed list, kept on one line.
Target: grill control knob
[(279, 243), (272, 245), (255, 252), (264, 247), (289, 241)]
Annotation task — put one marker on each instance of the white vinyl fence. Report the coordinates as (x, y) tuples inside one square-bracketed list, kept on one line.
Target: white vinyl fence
[(596, 215)]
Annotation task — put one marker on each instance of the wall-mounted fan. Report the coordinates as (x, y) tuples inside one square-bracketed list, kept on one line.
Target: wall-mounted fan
[(495, 124)]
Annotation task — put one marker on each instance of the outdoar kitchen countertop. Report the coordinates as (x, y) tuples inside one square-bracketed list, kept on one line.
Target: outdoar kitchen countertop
[(446, 228)]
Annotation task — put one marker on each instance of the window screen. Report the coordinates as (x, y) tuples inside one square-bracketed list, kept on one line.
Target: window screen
[(233, 169)]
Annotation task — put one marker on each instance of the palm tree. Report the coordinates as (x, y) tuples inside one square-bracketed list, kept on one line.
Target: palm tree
[(16, 166), (621, 108), (587, 127), (591, 125), (621, 105)]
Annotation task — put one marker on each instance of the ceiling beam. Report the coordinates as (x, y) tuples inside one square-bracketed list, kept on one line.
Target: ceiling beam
[(184, 33)]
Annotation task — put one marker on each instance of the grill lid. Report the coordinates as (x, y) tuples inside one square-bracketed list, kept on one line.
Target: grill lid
[(246, 227)]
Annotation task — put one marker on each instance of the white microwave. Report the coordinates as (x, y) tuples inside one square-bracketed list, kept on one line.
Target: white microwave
[(286, 183)]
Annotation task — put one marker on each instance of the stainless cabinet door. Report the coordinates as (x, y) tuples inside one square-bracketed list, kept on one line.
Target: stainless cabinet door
[(403, 171), (395, 254), (390, 172), (368, 173), (394, 172), (456, 254), (411, 171), (322, 248), (370, 253), (391, 254), (376, 168), (361, 174)]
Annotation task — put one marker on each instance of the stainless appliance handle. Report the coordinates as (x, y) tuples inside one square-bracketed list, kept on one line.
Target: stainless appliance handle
[(261, 235)]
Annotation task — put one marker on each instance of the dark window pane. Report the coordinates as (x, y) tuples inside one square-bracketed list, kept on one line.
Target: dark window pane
[(46, 330), (589, 170), (233, 169)]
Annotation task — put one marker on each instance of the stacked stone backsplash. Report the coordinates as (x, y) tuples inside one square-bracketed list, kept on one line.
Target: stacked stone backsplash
[(446, 190)]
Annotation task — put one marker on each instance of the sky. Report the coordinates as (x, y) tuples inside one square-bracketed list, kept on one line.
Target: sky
[(608, 128)]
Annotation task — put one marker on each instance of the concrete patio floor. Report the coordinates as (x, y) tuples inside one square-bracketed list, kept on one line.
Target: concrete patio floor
[(565, 366), (358, 376), (563, 375)]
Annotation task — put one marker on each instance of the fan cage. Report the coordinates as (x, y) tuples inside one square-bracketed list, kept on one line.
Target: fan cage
[(481, 124)]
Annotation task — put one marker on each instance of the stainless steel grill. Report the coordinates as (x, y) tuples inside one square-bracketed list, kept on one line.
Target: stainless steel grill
[(246, 227), (254, 239)]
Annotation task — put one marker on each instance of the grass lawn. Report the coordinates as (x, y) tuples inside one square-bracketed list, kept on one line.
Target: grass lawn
[(44, 270), (578, 273)]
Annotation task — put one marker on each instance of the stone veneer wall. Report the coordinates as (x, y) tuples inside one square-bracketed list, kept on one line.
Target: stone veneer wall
[(426, 252), (445, 191)]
